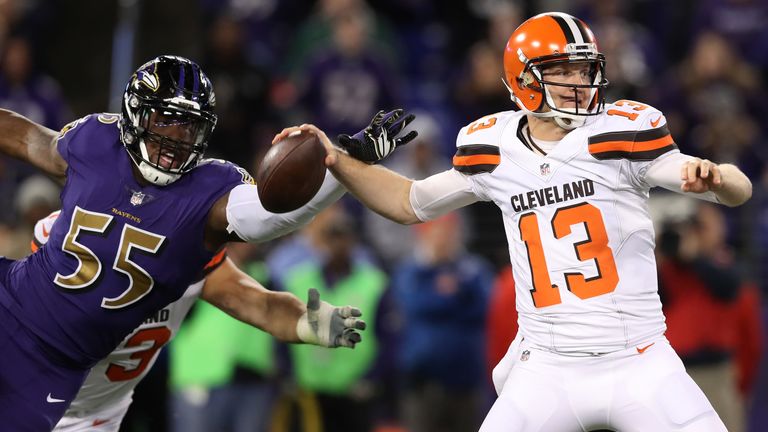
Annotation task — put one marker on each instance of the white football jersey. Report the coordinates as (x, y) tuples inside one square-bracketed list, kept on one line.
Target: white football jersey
[(113, 379), (580, 236), (110, 382)]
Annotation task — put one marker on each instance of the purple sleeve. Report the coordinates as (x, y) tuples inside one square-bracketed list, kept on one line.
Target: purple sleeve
[(66, 136)]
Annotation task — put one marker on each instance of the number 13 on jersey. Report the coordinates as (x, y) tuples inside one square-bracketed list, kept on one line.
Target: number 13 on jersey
[(594, 248)]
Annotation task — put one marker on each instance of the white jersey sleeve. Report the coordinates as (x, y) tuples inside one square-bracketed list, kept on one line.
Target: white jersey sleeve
[(477, 152), (647, 144), (664, 172), (633, 132), (251, 222), (441, 193)]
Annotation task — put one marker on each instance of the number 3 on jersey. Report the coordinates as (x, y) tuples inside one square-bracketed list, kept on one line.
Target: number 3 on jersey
[(595, 247), (157, 336), (484, 123)]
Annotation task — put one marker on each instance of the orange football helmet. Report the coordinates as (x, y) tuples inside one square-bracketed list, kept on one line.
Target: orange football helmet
[(550, 39)]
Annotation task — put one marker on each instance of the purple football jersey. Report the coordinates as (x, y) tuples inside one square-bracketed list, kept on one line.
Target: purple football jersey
[(119, 251)]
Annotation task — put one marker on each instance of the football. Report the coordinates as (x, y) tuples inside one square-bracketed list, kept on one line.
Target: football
[(291, 172)]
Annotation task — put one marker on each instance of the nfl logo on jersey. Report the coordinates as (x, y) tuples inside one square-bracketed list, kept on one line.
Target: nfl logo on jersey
[(544, 168), (137, 198), (525, 356)]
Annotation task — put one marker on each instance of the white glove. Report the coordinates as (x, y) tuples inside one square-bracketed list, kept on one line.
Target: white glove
[(327, 325)]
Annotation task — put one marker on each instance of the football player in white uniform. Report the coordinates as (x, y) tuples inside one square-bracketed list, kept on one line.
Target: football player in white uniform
[(107, 392), (571, 176)]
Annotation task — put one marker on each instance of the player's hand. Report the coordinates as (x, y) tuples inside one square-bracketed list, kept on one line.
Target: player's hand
[(700, 175), (329, 326), (379, 139), (331, 150)]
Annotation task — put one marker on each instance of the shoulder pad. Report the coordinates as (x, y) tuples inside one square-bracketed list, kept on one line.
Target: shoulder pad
[(630, 130), (108, 118), (486, 130), (478, 143), (246, 177), (73, 125), (91, 120), (630, 115)]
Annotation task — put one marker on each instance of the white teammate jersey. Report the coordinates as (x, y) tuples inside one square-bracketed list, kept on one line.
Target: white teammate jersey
[(113, 379), (581, 240), (111, 382)]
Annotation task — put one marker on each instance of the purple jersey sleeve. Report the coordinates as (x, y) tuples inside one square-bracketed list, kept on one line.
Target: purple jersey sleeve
[(119, 251)]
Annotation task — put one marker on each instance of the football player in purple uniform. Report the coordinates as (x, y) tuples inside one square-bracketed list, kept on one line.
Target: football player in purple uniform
[(107, 393), (142, 213)]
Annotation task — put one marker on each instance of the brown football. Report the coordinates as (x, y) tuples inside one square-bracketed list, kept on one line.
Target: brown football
[(291, 172)]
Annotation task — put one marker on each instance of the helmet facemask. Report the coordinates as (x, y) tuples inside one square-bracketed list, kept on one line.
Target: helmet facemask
[(532, 77), (167, 118), (166, 142)]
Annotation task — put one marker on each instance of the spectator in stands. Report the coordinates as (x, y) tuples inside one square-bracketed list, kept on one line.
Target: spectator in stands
[(34, 198), (247, 121), (713, 100), (346, 84), (222, 370), (316, 33), (345, 391), (442, 292), (421, 158), (741, 21), (24, 89), (713, 317)]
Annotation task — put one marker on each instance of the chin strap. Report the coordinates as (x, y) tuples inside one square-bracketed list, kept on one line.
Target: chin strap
[(569, 123), (150, 173), (564, 120), (155, 176)]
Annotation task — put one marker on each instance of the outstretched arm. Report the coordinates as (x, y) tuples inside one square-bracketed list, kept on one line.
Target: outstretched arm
[(700, 178), (380, 189), (30, 142), (239, 215), (281, 314), (729, 184), (234, 292)]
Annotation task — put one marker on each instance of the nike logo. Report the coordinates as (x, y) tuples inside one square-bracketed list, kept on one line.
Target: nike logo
[(99, 422), (51, 399), (655, 123), (45, 222), (642, 350)]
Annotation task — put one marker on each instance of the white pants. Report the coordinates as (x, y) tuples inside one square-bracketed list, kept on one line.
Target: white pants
[(625, 390), (106, 419)]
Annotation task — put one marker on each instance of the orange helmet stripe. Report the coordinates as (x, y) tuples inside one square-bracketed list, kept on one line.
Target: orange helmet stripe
[(548, 32), (568, 28)]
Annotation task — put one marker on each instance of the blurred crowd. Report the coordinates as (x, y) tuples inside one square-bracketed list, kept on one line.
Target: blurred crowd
[(439, 297)]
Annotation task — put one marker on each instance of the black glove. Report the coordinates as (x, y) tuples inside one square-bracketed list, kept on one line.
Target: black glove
[(378, 140)]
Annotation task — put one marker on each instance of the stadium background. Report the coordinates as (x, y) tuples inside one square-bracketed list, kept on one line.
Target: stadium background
[(335, 62)]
